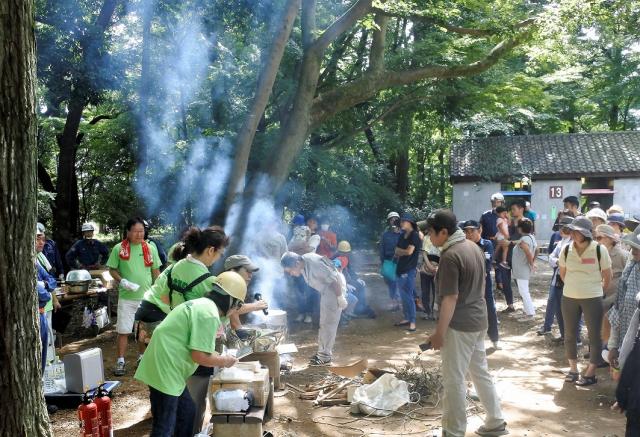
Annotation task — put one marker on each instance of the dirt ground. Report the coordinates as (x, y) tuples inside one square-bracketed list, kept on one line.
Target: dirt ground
[(535, 399)]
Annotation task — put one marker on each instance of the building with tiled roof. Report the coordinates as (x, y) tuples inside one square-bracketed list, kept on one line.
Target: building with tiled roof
[(544, 169)]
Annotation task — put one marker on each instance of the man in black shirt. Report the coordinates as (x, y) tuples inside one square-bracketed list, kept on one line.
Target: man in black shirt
[(407, 252)]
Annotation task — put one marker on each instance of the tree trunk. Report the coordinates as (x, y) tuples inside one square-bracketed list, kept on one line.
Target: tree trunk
[(267, 78), (21, 396)]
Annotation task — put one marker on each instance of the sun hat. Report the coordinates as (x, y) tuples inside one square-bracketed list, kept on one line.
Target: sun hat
[(583, 225), (617, 219), (237, 261), (470, 224), (607, 231), (564, 222), (393, 214), (633, 239), (597, 213)]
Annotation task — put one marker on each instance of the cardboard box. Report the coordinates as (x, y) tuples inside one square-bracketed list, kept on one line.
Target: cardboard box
[(270, 360), (259, 387)]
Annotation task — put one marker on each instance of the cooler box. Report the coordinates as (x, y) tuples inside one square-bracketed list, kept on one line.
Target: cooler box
[(259, 387), (84, 370)]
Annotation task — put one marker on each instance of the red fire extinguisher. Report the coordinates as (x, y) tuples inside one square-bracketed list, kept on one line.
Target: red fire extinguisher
[(103, 402), (88, 415)]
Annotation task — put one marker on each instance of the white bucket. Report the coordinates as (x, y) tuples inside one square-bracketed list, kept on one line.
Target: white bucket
[(277, 319)]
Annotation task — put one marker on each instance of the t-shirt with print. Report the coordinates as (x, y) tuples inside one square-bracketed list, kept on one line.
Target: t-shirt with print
[(133, 269), (167, 362), (583, 277), (183, 273), (520, 263), (319, 272), (406, 263), (461, 272)]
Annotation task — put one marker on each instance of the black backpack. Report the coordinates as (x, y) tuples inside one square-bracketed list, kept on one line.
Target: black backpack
[(628, 390), (182, 290)]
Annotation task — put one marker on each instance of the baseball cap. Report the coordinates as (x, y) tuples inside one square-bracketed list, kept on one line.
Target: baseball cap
[(236, 261), (471, 224)]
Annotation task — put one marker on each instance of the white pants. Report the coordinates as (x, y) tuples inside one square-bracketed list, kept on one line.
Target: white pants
[(51, 349), (329, 320), (527, 303), (126, 315), (464, 352)]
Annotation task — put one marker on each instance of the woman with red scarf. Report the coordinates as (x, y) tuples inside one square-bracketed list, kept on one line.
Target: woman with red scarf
[(134, 265)]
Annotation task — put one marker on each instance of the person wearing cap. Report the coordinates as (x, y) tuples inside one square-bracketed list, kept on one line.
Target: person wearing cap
[(471, 229), (359, 287), (328, 239), (408, 251), (489, 219), (555, 288), (616, 221), (321, 274), (594, 204), (585, 268), (461, 328), (388, 243), (572, 204), (53, 264), (183, 341), (627, 304), (87, 253), (608, 237), (597, 216), (242, 265)]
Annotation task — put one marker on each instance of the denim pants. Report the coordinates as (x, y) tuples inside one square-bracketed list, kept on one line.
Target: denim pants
[(44, 338), (503, 276), (464, 353), (553, 310), (393, 289), (407, 287), (492, 315), (172, 415), (428, 286)]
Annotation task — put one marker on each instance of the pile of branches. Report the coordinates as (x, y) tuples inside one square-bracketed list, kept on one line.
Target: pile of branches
[(423, 378)]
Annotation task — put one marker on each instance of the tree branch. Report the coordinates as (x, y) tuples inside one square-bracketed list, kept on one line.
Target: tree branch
[(308, 21), (99, 118), (339, 99), (45, 179), (376, 56), (342, 24)]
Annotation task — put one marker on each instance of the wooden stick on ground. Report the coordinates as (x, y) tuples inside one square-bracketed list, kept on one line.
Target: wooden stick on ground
[(322, 397)]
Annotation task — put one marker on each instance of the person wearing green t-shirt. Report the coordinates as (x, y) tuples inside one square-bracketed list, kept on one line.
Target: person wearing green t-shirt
[(185, 339), (134, 265), (189, 278)]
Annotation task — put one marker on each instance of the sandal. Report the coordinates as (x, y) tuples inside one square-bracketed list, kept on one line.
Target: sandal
[(587, 380), (572, 377)]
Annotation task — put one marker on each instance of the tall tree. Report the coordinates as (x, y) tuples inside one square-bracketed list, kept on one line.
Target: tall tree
[(21, 397)]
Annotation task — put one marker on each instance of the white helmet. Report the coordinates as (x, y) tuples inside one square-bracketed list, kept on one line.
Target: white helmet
[(40, 228), (393, 214), (497, 196), (88, 227)]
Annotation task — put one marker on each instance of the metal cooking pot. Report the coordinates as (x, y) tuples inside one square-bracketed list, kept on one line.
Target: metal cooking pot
[(78, 276), (77, 287)]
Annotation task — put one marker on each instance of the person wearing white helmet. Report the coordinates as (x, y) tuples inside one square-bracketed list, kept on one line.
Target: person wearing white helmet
[(489, 218), (87, 253), (388, 243), (53, 264)]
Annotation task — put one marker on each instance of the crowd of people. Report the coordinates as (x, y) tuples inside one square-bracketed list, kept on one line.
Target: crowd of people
[(440, 267)]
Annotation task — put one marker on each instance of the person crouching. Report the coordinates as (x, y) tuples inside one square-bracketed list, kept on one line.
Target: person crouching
[(185, 339), (320, 274)]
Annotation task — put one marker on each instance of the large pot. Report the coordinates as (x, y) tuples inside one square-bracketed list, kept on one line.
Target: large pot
[(77, 287)]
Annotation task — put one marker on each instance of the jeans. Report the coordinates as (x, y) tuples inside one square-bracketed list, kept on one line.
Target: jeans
[(428, 286), (553, 310), (503, 276), (492, 315), (172, 415), (462, 353), (44, 338), (407, 287), (393, 289)]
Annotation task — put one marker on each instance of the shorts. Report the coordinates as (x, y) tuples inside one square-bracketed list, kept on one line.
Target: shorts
[(500, 237), (126, 315)]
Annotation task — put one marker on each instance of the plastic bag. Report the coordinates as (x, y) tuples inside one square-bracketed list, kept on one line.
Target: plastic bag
[(384, 396), (232, 400), (101, 317), (54, 380), (88, 318), (388, 270)]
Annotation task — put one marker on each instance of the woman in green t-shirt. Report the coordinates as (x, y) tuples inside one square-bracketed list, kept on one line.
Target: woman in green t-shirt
[(185, 339), (189, 278)]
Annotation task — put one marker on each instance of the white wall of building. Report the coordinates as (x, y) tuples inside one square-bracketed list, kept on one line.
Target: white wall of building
[(471, 199), (547, 207), (627, 195)]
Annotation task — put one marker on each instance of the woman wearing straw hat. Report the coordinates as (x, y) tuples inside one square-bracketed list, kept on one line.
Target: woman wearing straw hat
[(608, 237), (585, 268)]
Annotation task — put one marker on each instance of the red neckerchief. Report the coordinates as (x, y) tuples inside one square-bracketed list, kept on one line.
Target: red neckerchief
[(125, 252)]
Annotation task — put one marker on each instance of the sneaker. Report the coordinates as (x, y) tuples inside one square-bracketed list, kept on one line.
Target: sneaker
[(496, 346), (508, 310), (557, 340), (317, 361), (543, 331), (493, 432), (120, 369), (525, 319), (427, 317), (300, 318), (307, 319)]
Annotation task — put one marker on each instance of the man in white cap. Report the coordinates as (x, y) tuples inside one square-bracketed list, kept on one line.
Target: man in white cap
[(242, 265), (87, 253), (489, 219)]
